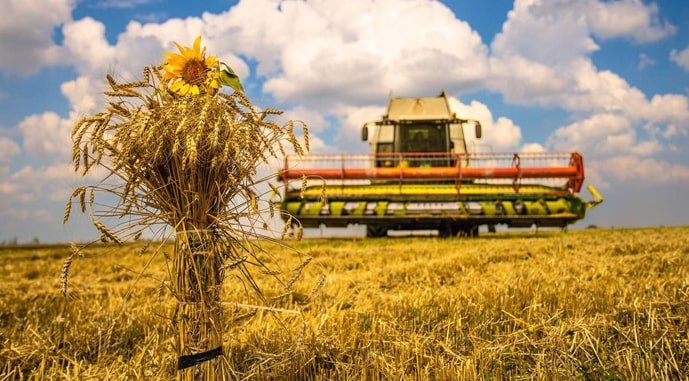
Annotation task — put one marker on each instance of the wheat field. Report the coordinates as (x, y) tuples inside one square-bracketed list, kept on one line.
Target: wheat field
[(596, 304)]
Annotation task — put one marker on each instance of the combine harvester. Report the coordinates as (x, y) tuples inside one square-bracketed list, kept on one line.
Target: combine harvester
[(421, 176)]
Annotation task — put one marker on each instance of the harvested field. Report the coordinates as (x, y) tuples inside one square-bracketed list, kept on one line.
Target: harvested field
[(603, 304)]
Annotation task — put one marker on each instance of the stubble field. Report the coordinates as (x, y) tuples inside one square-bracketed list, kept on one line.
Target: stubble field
[(603, 304)]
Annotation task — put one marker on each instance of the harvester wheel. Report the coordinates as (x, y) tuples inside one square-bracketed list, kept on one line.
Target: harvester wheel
[(376, 231), (466, 231), (447, 231)]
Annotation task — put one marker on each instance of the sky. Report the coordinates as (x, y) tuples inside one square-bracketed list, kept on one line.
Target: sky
[(609, 79)]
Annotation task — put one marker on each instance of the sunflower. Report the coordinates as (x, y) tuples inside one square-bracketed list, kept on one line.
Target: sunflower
[(191, 70)]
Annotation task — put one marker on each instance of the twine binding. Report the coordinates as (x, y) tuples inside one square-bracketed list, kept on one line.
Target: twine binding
[(184, 362)]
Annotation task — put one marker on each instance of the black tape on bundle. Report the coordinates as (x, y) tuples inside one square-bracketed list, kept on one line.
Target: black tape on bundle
[(184, 362)]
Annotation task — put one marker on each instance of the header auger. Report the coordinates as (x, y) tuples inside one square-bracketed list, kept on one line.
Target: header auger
[(420, 175)]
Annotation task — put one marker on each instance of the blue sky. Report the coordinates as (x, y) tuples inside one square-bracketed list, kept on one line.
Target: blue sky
[(609, 79)]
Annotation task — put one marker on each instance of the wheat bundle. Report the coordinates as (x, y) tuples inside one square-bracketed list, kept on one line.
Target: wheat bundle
[(184, 154)]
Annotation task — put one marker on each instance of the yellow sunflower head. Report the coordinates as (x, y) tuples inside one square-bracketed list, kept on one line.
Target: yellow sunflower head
[(190, 71)]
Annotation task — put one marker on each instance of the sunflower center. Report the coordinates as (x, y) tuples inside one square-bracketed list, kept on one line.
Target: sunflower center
[(194, 72)]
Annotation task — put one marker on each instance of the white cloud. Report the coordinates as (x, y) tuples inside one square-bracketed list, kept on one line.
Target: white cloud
[(46, 136), (87, 48), (324, 52), (629, 168), (645, 61), (602, 135), (545, 31), (532, 147), (668, 108), (627, 18), (26, 214), (348, 137), (552, 31), (315, 123), (314, 120), (599, 91), (8, 150), (26, 28), (121, 3), (501, 134), (29, 185), (524, 81), (543, 54), (83, 95), (604, 92), (681, 58)]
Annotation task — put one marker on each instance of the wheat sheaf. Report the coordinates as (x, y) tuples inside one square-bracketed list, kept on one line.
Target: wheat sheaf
[(181, 155)]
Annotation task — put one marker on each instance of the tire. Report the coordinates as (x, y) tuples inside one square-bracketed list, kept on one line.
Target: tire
[(446, 231), (376, 231), (467, 231)]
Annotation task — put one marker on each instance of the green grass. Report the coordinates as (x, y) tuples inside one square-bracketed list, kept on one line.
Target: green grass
[(599, 304)]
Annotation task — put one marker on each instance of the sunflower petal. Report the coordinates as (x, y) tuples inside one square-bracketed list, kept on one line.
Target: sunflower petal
[(179, 47), (175, 86), (211, 61), (197, 46)]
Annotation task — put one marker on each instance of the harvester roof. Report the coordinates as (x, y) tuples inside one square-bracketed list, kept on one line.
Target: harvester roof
[(427, 108)]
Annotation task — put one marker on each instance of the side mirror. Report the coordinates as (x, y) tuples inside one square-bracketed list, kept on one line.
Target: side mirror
[(478, 130), (364, 133)]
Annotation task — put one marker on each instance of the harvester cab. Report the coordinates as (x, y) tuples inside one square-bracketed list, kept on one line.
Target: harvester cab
[(421, 175), (415, 126)]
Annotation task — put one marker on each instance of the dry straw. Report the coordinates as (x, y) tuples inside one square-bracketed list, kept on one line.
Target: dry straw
[(181, 153)]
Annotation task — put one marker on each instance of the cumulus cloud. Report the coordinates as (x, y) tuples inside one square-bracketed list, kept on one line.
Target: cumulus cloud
[(533, 147), (26, 214), (531, 64), (28, 185), (8, 150), (601, 135), (324, 52), (536, 30), (86, 46), (352, 118), (499, 135), (594, 91), (523, 81), (681, 58), (314, 120), (46, 135), (599, 91), (83, 94), (26, 30), (627, 18), (630, 168)]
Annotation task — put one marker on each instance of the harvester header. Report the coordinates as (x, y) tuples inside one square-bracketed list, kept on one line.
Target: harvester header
[(420, 175)]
